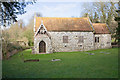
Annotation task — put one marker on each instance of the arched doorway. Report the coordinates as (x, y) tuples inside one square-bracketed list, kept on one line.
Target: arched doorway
[(42, 47)]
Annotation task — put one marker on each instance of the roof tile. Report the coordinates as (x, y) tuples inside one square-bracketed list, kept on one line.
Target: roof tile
[(64, 24), (101, 28)]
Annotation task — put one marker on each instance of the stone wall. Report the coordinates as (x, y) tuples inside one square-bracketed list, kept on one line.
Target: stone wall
[(72, 45), (104, 41), (54, 43), (46, 39)]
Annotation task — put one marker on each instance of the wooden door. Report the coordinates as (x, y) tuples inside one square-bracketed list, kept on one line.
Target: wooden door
[(42, 47)]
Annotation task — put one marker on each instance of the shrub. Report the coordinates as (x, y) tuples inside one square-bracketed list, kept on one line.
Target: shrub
[(10, 47)]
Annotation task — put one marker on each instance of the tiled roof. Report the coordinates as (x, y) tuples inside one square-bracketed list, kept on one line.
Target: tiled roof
[(101, 28), (64, 24)]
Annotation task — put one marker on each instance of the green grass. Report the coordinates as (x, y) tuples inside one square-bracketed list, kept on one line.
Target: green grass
[(73, 65)]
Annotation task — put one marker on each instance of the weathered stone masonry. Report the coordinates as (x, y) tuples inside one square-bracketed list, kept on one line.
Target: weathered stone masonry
[(53, 36), (104, 41), (72, 45)]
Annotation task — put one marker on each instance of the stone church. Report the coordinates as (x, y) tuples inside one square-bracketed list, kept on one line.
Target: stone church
[(52, 34)]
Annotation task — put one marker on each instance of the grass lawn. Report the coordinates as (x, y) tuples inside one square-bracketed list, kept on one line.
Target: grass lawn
[(72, 65)]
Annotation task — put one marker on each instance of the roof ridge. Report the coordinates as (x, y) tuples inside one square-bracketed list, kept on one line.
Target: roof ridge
[(62, 17)]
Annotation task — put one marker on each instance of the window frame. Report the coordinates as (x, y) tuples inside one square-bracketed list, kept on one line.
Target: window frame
[(97, 39), (65, 39), (81, 39)]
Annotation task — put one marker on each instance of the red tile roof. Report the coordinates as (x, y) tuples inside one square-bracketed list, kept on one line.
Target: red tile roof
[(64, 24), (101, 28)]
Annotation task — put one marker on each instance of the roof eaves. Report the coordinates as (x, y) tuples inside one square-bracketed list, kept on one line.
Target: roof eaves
[(70, 30)]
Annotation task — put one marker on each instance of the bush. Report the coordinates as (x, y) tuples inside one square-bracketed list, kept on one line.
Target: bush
[(30, 43), (10, 47)]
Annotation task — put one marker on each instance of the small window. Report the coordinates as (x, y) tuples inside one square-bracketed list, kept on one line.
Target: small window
[(108, 42), (96, 39), (80, 39), (65, 39), (79, 45)]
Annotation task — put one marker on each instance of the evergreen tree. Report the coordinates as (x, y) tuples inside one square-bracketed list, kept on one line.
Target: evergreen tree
[(10, 10)]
